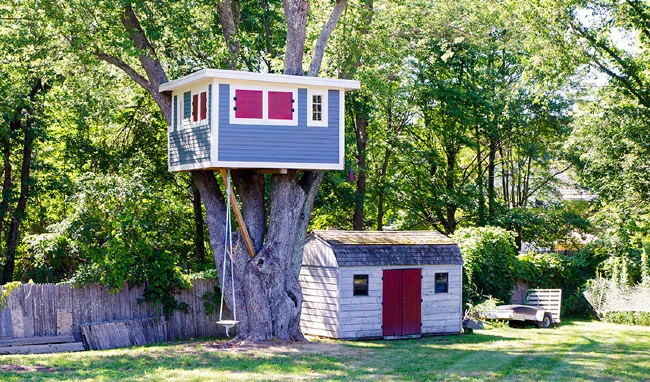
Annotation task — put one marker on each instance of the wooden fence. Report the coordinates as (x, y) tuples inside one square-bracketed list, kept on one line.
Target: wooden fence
[(43, 310)]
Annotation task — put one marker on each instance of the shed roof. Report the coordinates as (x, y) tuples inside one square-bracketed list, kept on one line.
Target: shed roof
[(230, 75), (359, 248)]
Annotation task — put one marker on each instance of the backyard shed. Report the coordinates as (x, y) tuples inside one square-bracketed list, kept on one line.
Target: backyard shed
[(234, 119), (380, 284)]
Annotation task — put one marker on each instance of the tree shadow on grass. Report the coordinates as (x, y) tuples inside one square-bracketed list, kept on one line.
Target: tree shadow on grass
[(481, 356)]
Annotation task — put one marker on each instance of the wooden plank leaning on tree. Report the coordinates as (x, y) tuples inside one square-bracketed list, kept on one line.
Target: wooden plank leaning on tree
[(238, 215)]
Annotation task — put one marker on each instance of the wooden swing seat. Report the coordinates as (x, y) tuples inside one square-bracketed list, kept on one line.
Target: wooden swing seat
[(228, 323)]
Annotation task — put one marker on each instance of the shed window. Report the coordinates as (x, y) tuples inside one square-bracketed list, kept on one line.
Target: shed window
[(280, 105), (360, 285), (442, 282), (248, 104)]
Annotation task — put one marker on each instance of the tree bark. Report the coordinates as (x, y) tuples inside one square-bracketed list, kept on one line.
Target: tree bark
[(229, 16), (361, 126), (491, 171), (6, 185), (199, 239), (19, 211)]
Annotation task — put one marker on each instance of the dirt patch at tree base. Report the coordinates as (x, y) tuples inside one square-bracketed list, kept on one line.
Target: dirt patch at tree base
[(10, 368)]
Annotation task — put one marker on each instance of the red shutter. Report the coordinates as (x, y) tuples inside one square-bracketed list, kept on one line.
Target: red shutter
[(204, 106), (195, 107), (412, 309), (281, 105), (248, 104), (392, 303)]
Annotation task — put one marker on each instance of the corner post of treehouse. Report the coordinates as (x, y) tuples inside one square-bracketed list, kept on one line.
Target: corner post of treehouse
[(238, 216)]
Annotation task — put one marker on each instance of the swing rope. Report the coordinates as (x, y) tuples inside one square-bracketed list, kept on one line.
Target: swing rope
[(228, 254)]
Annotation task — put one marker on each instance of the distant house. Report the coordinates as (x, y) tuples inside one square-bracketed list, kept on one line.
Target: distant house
[(233, 119), (359, 284)]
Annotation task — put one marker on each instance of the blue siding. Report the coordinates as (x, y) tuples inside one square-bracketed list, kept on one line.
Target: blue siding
[(187, 105), (190, 146), (271, 143)]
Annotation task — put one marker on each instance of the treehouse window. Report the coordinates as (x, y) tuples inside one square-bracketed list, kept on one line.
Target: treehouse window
[(199, 108), (264, 106), (317, 108)]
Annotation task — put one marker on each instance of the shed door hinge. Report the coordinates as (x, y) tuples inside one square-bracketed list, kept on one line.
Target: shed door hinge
[(422, 276), (382, 326), (421, 300), (235, 108)]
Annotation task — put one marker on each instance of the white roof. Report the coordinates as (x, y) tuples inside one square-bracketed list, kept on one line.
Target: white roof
[(258, 77)]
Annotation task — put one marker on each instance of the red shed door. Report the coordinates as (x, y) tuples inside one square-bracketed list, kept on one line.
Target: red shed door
[(392, 303), (412, 309), (402, 307)]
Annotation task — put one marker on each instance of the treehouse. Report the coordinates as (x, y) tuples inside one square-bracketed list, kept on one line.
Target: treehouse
[(233, 119)]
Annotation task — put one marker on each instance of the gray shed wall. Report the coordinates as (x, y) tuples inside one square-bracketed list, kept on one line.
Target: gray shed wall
[(271, 143)]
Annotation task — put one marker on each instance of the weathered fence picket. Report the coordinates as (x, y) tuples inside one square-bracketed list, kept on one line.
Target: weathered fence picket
[(43, 310)]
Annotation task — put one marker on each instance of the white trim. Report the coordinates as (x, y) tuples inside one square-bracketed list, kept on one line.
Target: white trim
[(191, 166), (254, 165), (324, 93), (214, 110), (281, 165), (265, 106), (342, 128), (262, 77)]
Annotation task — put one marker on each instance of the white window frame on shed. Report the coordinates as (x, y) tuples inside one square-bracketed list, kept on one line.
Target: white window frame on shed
[(265, 106), (324, 109)]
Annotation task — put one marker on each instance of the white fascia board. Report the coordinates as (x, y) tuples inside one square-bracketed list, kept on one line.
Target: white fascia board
[(230, 75)]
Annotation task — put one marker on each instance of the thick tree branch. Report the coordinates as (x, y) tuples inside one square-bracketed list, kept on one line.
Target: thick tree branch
[(229, 15), (135, 76), (295, 12), (148, 60), (326, 31)]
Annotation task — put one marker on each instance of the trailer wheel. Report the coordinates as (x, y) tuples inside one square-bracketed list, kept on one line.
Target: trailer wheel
[(545, 323)]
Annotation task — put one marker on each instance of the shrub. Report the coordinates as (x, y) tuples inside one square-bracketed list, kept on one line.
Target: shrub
[(628, 318), (489, 262), (122, 229)]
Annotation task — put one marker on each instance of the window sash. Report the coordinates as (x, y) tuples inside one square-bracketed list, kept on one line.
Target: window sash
[(360, 285), (442, 282)]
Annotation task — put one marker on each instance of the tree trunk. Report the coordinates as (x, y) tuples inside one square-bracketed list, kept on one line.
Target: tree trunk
[(491, 171), (19, 212), (450, 184), (360, 193), (268, 296), (479, 180), (199, 239), (6, 185)]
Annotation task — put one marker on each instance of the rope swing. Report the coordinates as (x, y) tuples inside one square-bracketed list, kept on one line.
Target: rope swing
[(227, 253)]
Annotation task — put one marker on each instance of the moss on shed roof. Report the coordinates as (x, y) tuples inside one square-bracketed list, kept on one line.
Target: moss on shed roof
[(384, 237)]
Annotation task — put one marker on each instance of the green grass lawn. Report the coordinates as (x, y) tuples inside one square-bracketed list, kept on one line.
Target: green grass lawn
[(573, 351)]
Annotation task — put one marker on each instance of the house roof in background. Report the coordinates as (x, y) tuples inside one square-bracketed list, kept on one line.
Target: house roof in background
[(234, 75), (359, 248)]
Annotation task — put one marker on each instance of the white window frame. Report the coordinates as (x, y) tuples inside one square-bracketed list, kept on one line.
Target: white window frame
[(200, 122), (324, 109), (265, 106)]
